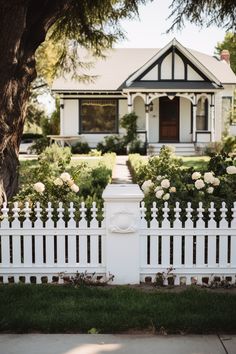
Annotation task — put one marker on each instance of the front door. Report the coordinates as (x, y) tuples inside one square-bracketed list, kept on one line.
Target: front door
[(169, 119)]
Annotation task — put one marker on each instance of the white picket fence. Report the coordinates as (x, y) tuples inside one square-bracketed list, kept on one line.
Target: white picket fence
[(35, 251)]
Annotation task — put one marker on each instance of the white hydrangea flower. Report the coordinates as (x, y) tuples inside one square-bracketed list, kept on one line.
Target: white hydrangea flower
[(196, 175), (39, 187), (58, 182), (159, 194), (216, 182), (65, 176), (70, 182), (165, 183), (166, 196), (210, 190), (157, 188), (147, 185), (74, 188), (231, 170), (172, 190), (199, 184), (208, 177)]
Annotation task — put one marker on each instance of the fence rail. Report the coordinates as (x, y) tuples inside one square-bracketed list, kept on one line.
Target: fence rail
[(34, 248)]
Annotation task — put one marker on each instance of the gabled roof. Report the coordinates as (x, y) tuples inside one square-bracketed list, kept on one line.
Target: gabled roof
[(185, 52), (122, 64)]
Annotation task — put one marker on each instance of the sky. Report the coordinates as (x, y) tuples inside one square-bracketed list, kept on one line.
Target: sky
[(149, 30)]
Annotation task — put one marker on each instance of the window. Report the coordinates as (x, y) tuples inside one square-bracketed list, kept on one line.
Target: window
[(202, 114), (98, 116), (227, 113)]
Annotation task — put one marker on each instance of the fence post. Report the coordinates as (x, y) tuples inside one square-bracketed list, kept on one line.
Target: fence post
[(122, 223)]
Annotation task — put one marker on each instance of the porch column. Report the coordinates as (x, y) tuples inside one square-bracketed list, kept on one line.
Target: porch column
[(61, 116), (130, 102), (194, 122), (147, 116), (212, 118)]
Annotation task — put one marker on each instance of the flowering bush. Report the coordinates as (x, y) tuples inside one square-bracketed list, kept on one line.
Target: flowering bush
[(164, 178), (58, 181)]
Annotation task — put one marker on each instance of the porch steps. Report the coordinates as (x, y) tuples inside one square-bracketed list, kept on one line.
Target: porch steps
[(181, 149)]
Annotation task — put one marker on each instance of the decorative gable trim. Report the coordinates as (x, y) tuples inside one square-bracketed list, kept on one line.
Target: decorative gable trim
[(173, 48)]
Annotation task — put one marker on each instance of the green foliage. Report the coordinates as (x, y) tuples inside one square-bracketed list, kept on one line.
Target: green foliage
[(57, 157), (203, 13), (39, 145), (137, 146), (90, 24), (80, 148), (34, 112), (31, 136), (129, 141), (163, 178), (67, 309), (222, 155), (53, 179), (228, 43), (112, 143), (129, 122), (51, 126), (157, 165)]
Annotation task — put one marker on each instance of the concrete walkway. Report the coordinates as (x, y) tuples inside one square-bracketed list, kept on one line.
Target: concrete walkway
[(120, 172), (115, 344)]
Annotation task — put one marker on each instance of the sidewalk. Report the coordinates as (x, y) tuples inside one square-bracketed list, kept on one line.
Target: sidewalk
[(120, 172), (115, 344)]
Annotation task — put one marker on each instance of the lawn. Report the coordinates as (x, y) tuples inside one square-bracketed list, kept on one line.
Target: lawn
[(60, 309), (197, 162)]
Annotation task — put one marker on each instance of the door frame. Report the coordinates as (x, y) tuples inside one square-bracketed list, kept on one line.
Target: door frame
[(177, 120)]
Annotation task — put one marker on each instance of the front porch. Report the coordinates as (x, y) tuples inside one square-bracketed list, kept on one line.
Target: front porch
[(184, 119)]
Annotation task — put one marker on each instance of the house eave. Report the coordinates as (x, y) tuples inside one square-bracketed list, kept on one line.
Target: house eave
[(133, 89)]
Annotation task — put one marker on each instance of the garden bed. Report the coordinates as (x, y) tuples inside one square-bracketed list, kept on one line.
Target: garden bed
[(66, 309)]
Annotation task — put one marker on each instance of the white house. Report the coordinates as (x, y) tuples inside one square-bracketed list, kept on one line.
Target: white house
[(181, 96)]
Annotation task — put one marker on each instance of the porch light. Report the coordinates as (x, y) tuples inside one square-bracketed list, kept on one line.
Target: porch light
[(149, 108)]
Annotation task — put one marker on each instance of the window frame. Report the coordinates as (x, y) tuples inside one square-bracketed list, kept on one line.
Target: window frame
[(231, 110), (206, 115), (116, 131)]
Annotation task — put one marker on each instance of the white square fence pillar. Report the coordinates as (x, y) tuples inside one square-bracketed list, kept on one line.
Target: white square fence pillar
[(122, 222)]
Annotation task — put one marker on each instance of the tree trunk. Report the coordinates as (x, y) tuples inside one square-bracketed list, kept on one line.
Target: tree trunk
[(24, 25)]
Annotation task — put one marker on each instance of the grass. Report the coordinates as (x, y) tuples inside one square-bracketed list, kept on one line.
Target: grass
[(197, 162), (63, 309)]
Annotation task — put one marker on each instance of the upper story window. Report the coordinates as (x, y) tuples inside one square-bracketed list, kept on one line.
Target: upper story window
[(202, 114), (98, 115)]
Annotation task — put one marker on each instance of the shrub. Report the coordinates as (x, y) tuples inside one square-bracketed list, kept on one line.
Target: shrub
[(112, 143), (39, 145), (31, 136), (80, 148), (222, 156), (54, 180), (129, 122), (56, 155), (162, 178), (137, 147)]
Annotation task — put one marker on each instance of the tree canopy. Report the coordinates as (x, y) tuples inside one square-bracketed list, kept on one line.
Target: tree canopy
[(204, 13), (229, 43)]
